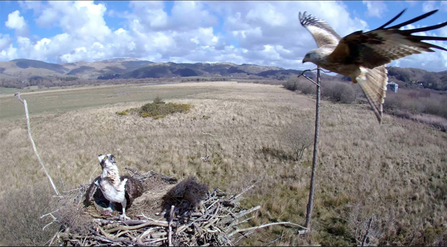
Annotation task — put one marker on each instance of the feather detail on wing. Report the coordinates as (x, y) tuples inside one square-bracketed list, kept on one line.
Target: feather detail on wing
[(383, 45), (134, 189), (320, 30), (373, 83)]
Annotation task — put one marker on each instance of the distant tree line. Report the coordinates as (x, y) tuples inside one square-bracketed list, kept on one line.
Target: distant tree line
[(418, 78)]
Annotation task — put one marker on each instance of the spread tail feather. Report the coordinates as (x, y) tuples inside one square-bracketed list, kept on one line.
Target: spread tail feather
[(373, 83)]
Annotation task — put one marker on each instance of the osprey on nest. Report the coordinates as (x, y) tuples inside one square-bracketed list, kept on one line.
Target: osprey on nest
[(362, 55), (116, 189)]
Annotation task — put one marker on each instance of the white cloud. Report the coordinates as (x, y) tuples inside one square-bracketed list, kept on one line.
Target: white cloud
[(83, 20), (17, 22), (36, 6), (206, 37), (82, 23), (150, 14), (271, 30), (375, 8), (5, 41), (444, 6), (48, 17), (443, 32), (431, 61), (24, 42), (428, 6), (411, 3), (190, 16), (264, 33), (8, 53)]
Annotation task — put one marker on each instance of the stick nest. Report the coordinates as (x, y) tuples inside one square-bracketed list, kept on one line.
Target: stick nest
[(168, 213)]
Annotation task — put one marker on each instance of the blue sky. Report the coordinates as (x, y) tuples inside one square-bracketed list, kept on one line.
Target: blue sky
[(264, 32)]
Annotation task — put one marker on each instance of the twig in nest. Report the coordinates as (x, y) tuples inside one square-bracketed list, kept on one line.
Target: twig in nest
[(244, 190), (171, 217), (52, 216), (265, 225)]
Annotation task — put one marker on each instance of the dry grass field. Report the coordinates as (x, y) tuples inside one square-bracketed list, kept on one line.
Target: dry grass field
[(394, 173)]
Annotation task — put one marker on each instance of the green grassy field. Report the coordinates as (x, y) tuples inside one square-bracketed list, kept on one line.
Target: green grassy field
[(62, 100), (394, 172)]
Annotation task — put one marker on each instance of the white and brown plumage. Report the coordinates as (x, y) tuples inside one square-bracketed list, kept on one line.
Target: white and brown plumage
[(362, 55), (116, 189)]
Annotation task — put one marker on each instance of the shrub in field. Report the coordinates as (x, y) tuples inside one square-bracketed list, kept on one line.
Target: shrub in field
[(300, 137), (339, 92), (307, 88), (158, 100), (296, 140), (123, 113), (21, 210), (334, 90), (160, 110), (290, 84), (435, 106), (157, 109), (303, 85), (416, 102)]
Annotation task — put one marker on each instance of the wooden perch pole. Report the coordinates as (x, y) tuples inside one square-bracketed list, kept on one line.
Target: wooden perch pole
[(315, 153), (33, 144)]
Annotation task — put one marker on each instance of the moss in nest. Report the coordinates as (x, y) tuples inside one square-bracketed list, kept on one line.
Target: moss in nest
[(185, 196)]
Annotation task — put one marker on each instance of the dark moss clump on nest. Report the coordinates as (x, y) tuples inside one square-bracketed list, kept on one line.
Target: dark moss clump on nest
[(185, 196)]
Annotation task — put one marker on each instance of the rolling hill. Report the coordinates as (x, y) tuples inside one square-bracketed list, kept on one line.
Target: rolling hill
[(26, 72)]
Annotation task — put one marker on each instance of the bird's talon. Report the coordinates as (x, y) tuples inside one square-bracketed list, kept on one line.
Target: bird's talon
[(124, 217)]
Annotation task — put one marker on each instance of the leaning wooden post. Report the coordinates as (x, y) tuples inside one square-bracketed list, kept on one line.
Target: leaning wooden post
[(33, 144), (314, 160)]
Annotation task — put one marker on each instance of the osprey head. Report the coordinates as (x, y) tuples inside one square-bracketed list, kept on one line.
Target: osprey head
[(106, 160)]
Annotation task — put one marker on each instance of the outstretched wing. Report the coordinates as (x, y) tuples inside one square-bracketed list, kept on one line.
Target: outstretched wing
[(320, 30), (384, 44)]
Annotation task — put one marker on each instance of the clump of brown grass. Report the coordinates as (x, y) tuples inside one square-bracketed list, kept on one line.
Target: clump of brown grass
[(21, 211)]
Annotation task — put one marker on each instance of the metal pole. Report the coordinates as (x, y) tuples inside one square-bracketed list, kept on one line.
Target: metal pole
[(314, 160)]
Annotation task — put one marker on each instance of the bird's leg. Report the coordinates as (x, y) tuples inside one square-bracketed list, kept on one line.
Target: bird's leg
[(123, 216)]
